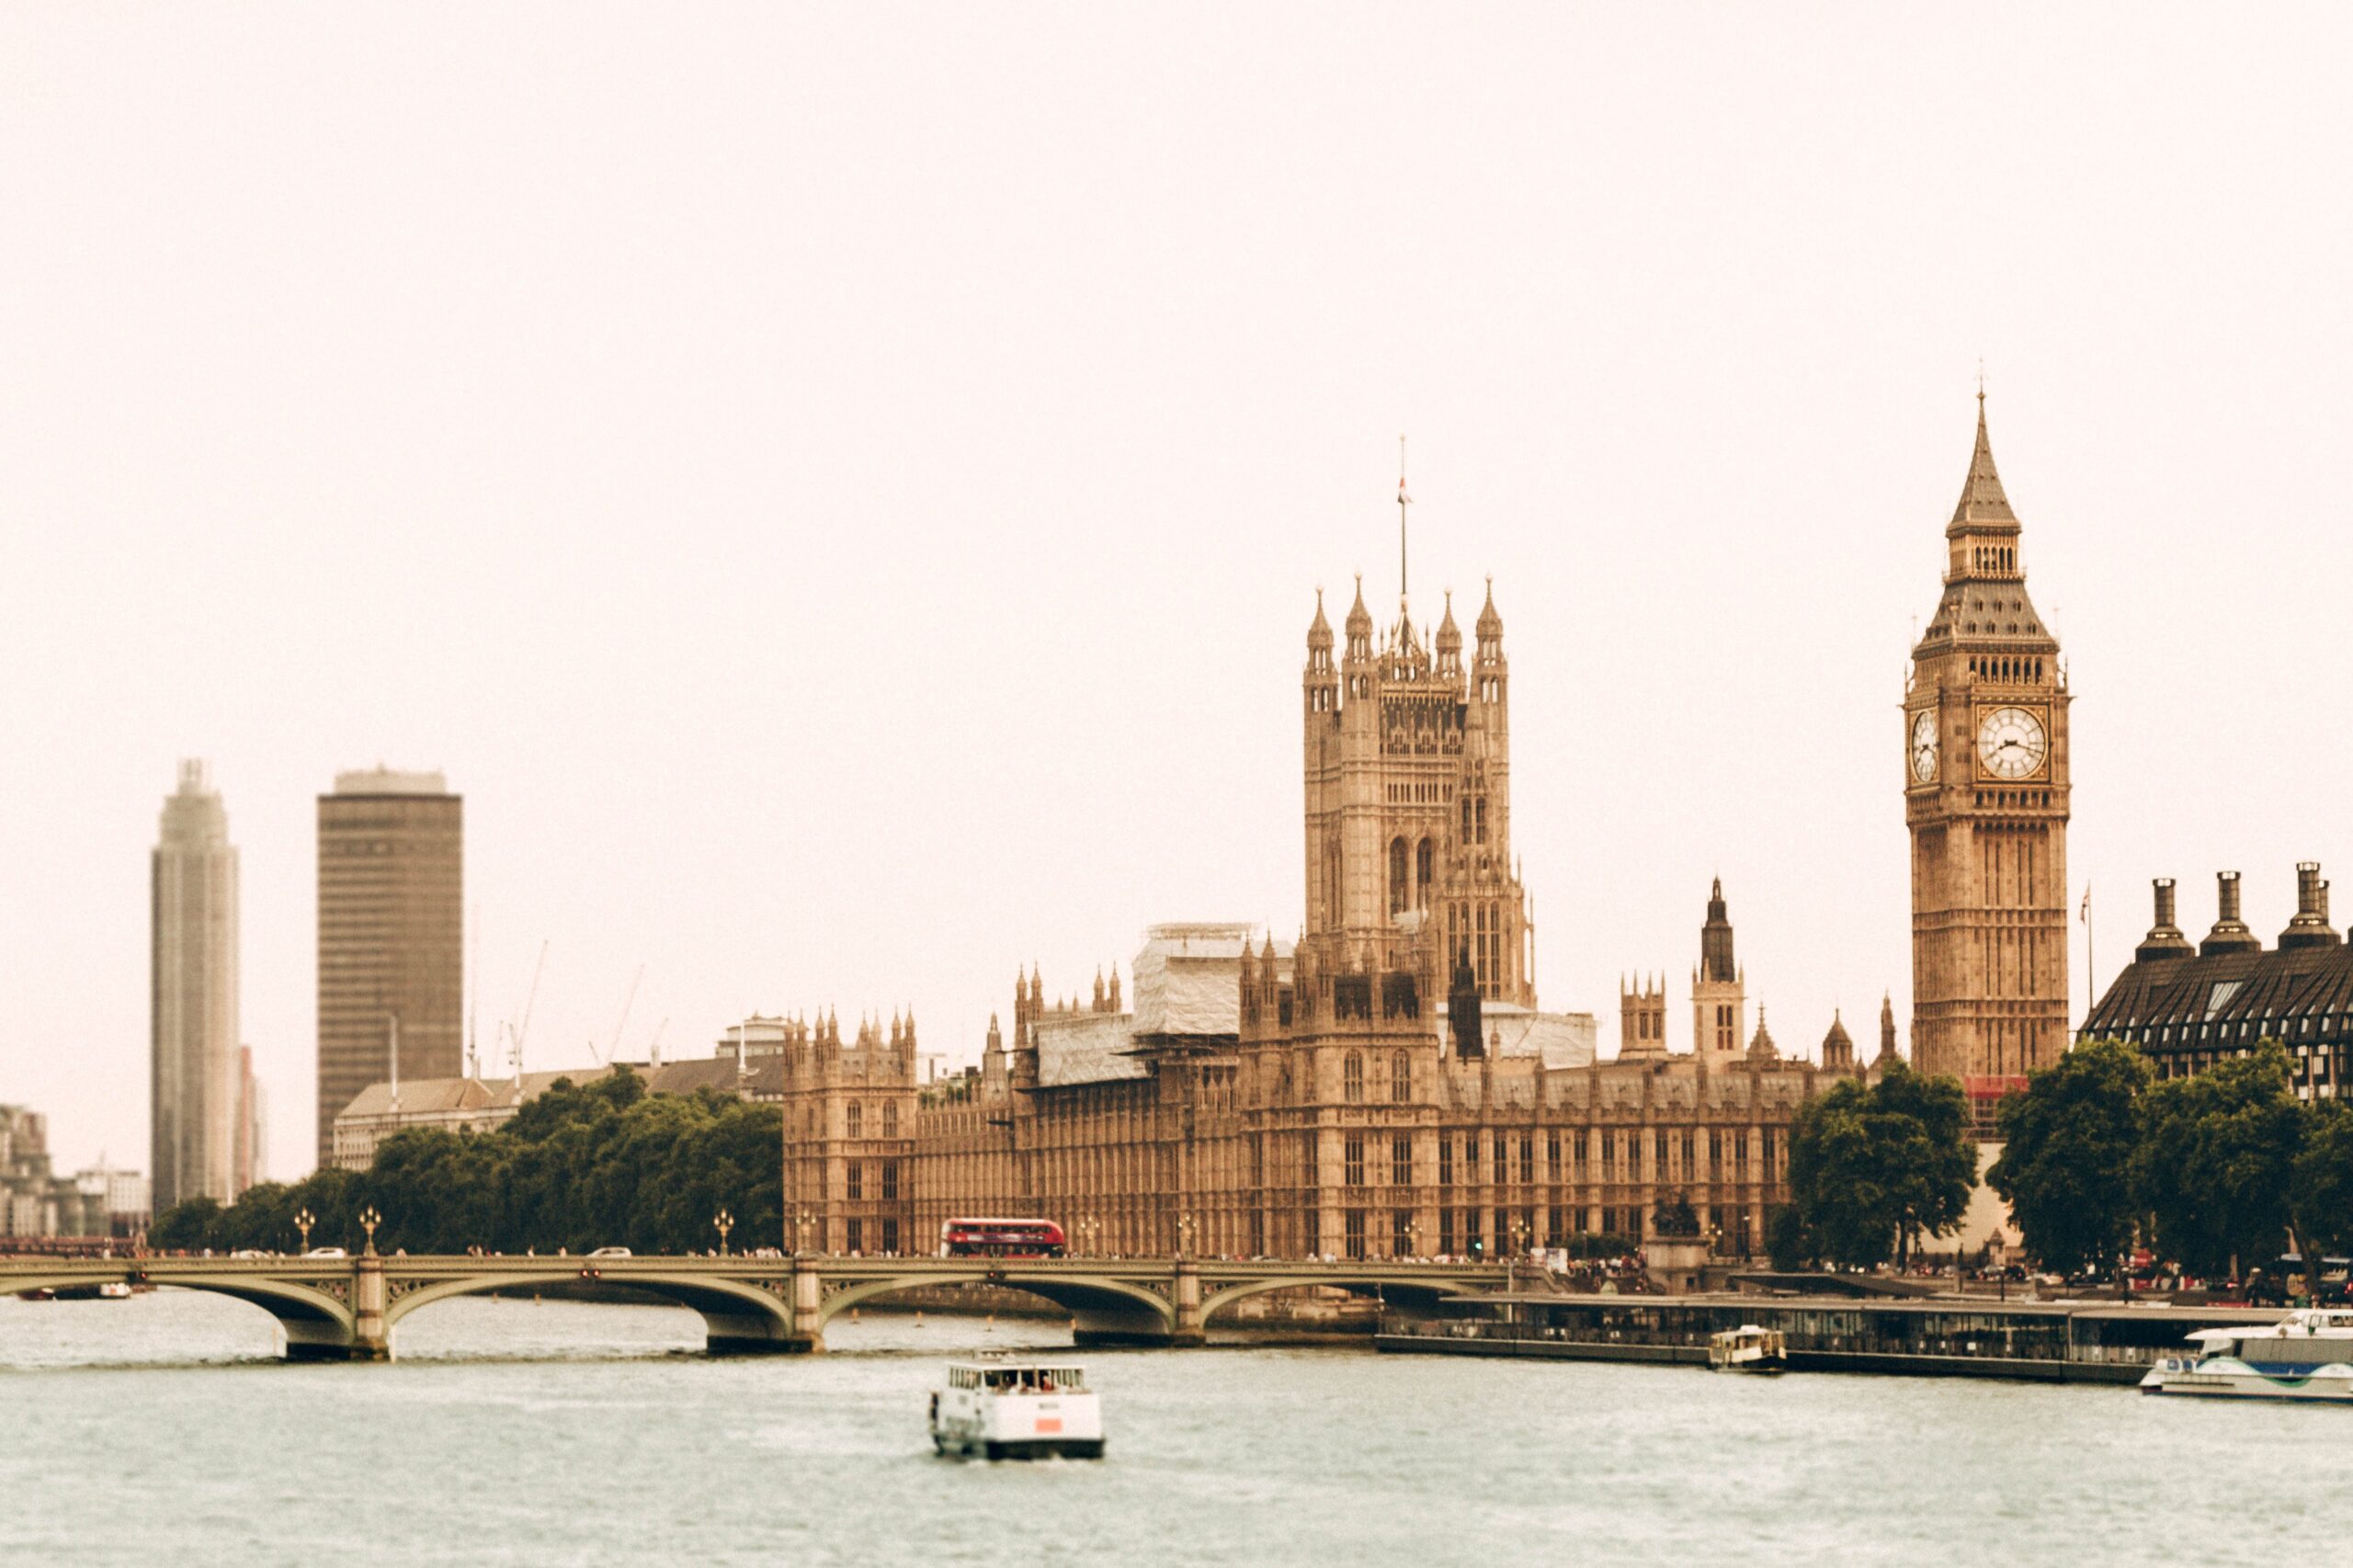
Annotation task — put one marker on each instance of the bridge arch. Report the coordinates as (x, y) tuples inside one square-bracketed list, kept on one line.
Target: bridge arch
[(1105, 1311), (1428, 1291), (738, 1315), (317, 1323)]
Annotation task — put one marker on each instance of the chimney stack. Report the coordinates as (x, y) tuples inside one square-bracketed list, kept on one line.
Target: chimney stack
[(2230, 934), (2310, 928), (2164, 939)]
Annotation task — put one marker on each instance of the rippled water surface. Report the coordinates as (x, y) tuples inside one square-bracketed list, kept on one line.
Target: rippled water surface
[(163, 1429)]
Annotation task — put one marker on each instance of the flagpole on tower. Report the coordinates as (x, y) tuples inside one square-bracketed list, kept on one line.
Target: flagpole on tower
[(2091, 958), (1403, 501)]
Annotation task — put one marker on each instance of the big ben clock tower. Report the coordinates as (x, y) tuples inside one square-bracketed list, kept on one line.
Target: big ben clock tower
[(1986, 797)]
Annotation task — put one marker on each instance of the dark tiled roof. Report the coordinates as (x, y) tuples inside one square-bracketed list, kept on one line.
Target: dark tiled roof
[(2236, 998), (765, 1077)]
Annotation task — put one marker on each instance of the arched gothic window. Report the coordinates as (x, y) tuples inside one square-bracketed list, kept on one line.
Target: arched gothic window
[(1397, 887), (1352, 1078), (1401, 1077), (1423, 874), (857, 1119)]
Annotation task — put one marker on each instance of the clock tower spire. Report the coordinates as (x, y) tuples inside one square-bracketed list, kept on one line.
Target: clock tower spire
[(1986, 797)]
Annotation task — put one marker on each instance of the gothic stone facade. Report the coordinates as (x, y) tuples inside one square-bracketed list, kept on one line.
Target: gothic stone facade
[(1386, 1087)]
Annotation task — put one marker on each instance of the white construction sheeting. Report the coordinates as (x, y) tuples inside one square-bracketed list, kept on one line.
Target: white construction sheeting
[(1187, 983), (1559, 1039), (1087, 1048), (1188, 978)]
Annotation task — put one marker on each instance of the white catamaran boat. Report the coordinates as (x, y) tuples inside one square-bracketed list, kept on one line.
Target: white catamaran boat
[(1016, 1410), (1747, 1348), (2307, 1355)]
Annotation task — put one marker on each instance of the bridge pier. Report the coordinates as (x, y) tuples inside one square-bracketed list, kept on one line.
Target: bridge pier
[(1183, 1326), (370, 1339), (1192, 1324), (801, 1333)]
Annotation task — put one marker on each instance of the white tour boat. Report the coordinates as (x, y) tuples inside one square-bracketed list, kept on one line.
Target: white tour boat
[(1747, 1348), (2307, 1354), (1016, 1410)]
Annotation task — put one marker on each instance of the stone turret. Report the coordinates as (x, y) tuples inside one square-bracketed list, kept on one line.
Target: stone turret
[(1838, 1047)]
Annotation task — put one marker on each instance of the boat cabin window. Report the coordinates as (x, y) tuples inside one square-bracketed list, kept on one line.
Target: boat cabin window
[(1034, 1380)]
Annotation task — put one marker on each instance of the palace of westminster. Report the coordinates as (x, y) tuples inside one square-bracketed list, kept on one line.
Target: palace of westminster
[(1388, 1085)]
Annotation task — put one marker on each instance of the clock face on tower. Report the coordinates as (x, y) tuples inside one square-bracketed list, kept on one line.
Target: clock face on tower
[(2011, 743), (1924, 746)]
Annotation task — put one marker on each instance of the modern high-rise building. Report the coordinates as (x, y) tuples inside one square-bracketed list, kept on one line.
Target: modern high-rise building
[(192, 1109), (1986, 797), (391, 935)]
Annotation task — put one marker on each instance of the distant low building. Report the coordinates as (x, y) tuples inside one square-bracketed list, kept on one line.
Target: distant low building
[(2187, 1009), (35, 1200), (123, 1197), (479, 1105)]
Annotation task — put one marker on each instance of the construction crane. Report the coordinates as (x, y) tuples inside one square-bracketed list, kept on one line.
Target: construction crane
[(528, 1002), (614, 1052)]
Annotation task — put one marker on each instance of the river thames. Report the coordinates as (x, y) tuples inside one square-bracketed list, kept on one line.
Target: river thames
[(161, 1430)]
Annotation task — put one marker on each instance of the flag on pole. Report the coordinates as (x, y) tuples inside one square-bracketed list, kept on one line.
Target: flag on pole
[(2085, 914)]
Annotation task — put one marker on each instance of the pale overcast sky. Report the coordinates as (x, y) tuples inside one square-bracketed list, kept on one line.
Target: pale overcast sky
[(842, 491)]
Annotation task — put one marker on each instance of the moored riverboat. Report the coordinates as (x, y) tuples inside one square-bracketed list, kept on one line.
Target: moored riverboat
[(2307, 1355), (1749, 1348), (1016, 1410)]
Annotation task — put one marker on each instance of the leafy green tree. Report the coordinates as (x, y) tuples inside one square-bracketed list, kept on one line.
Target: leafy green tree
[(2216, 1164), (2322, 1195), (1937, 1168), (1874, 1169), (1787, 1241), (2066, 1165), (580, 1166), (185, 1227)]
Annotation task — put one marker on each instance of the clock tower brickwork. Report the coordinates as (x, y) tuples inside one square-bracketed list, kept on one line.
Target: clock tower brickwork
[(1986, 775)]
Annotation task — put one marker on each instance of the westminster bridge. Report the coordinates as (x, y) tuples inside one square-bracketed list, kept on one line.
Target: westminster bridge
[(344, 1308)]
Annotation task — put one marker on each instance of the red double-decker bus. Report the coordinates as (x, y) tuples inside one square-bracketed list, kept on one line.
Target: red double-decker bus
[(1000, 1238)]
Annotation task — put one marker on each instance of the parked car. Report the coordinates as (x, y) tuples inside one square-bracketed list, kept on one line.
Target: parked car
[(613, 1252), (326, 1252)]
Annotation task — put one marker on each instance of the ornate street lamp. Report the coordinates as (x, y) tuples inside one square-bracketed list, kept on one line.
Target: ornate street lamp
[(726, 1223), (1184, 1233), (801, 1222), (369, 1221), (303, 1221)]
